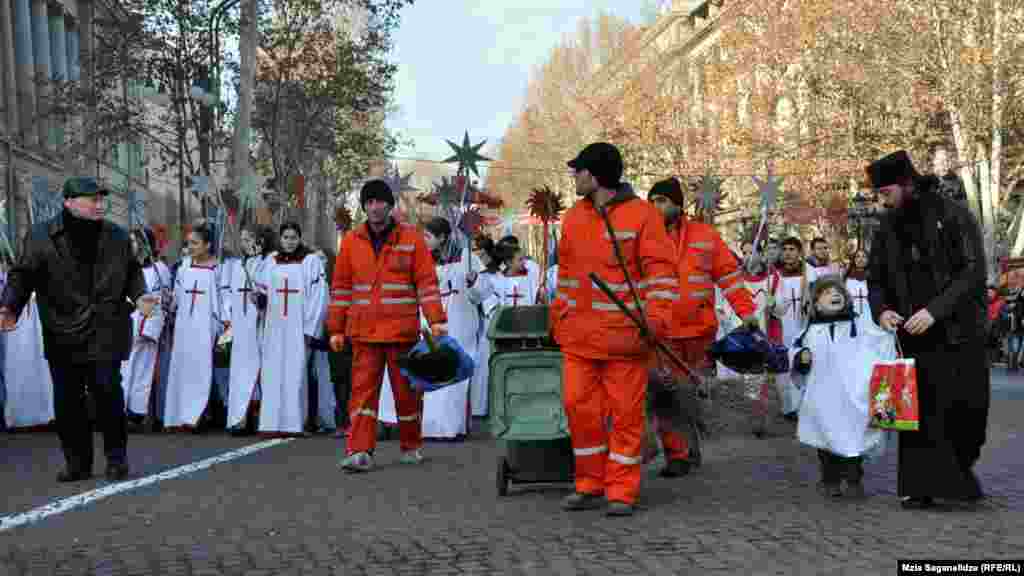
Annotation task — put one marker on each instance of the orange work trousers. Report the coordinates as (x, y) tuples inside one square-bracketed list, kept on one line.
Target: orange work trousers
[(696, 353), (368, 361), (607, 462)]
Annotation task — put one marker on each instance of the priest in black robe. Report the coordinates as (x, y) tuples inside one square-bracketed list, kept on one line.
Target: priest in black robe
[(926, 281)]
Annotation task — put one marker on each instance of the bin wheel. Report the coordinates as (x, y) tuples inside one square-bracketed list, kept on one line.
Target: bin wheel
[(502, 477)]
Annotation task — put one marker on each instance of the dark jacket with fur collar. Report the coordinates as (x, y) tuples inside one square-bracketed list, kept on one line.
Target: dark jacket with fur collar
[(952, 242)]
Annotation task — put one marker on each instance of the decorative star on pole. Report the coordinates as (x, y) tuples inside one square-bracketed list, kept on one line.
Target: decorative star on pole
[(711, 189), (399, 185), (769, 189), (445, 194), (466, 155)]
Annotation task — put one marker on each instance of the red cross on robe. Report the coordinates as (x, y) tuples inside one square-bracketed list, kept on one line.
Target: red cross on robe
[(515, 295), (861, 297), (245, 290), (287, 293), (194, 291)]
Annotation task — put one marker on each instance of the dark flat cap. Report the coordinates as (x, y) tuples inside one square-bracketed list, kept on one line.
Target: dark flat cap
[(83, 186)]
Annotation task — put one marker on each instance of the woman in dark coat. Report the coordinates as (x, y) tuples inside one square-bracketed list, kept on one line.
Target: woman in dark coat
[(926, 281)]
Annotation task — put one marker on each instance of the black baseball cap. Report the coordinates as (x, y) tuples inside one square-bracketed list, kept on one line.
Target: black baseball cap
[(603, 161)]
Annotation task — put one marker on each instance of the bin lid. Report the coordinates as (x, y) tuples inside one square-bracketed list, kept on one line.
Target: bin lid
[(517, 322)]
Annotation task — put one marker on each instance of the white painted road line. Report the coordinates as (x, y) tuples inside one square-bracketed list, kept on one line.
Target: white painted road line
[(79, 500)]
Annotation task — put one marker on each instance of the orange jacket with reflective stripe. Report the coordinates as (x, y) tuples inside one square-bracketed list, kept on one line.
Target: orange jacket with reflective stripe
[(585, 321), (702, 262), (377, 297)]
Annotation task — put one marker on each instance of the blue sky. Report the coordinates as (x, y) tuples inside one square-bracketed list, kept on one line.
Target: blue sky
[(465, 64)]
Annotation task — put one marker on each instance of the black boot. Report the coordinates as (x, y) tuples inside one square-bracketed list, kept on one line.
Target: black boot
[(74, 471), (917, 503), (830, 485), (854, 472), (675, 469)]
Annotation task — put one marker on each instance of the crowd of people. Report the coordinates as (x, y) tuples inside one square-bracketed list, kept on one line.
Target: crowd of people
[(280, 341)]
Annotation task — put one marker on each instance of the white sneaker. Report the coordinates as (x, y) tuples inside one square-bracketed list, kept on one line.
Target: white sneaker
[(412, 457), (358, 462)]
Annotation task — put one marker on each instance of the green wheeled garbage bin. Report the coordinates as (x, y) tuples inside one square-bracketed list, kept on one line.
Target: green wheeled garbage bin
[(526, 413)]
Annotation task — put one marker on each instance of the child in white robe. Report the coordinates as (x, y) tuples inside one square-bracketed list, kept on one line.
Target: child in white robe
[(247, 328), (199, 322), (834, 357), (296, 289), (139, 372), (790, 307)]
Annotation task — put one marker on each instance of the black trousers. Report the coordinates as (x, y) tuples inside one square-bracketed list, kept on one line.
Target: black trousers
[(102, 380), (835, 468)]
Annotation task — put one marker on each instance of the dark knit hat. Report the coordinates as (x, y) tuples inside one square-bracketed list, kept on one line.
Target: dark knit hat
[(439, 226), (896, 168), (670, 188), (378, 189), (506, 248), (603, 161)]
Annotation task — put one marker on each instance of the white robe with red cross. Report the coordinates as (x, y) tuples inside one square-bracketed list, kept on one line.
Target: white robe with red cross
[(198, 322), (296, 293), (246, 333), (139, 371), (790, 297), (858, 290)]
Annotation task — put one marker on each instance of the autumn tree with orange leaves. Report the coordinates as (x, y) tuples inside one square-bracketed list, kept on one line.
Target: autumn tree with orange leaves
[(863, 78), (556, 121)]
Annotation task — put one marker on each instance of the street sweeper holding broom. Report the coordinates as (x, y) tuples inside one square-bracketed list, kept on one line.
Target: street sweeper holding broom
[(702, 261), (614, 236)]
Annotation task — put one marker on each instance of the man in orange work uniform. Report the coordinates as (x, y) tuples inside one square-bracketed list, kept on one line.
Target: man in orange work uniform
[(383, 275), (702, 261), (605, 356)]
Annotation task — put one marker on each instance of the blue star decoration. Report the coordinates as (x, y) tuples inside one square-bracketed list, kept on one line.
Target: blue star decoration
[(711, 191), (466, 155), (769, 189)]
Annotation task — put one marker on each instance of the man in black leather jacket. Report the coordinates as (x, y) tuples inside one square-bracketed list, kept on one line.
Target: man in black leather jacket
[(87, 282)]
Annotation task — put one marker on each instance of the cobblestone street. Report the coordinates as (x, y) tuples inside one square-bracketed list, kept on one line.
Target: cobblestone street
[(751, 509)]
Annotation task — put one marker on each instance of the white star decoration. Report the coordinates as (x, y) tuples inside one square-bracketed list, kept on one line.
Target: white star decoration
[(769, 188)]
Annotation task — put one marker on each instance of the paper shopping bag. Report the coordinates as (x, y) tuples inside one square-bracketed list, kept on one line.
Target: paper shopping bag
[(894, 404)]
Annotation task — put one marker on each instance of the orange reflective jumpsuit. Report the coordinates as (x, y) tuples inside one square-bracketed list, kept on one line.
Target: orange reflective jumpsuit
[(379, 285), (605, 357), (702, 262)]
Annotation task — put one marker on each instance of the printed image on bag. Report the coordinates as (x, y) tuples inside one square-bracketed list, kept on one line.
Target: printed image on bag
[(894, 404)]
